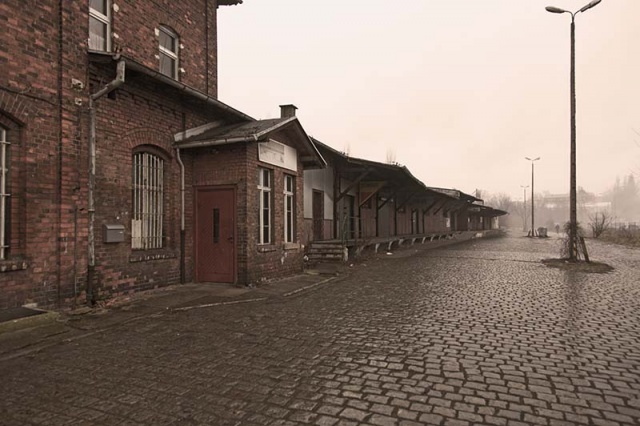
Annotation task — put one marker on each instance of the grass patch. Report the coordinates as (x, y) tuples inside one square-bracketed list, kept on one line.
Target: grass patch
[(580, 266), (629, 237)]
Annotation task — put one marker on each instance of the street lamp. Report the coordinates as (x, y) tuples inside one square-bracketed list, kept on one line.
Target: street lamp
[(524, 210), (533, 229), (573, 216)]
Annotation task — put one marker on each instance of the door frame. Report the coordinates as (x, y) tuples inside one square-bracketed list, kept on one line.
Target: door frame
[(198, 190)]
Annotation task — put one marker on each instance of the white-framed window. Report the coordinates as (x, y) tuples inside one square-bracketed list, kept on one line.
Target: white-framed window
[(100, 25), (289, 209), (4, 194), (264, 192), (148, 201), (169, 45)]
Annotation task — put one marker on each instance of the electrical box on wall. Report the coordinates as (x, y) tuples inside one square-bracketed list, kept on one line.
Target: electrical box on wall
[(113, 233)]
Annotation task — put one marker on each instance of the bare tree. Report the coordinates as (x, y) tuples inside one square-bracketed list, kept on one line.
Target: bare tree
[(600, 222), (391, 156), (523, 211), (501, 201), (637, 142)]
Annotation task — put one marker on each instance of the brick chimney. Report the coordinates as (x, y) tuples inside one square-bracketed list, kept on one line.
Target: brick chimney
[(287, 111)]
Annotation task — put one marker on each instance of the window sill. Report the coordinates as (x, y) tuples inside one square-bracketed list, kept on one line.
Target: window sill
[(266, 248), (13, 265), (150, 255), (291, 246)]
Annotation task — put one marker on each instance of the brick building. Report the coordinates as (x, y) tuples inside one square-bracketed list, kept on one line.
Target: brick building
[(120, 169)]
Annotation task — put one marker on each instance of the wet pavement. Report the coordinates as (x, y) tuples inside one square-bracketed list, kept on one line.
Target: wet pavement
[(475, 333)]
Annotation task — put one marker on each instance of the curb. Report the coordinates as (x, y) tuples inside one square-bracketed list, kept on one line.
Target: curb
[(29, 322)]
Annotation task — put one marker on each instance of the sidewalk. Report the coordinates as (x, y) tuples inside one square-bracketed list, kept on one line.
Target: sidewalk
[(32, 334)]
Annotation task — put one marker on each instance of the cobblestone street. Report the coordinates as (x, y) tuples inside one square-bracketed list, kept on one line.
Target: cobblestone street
[(475, 333)]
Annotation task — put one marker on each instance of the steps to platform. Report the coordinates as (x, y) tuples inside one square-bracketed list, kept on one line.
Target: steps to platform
[(320, 251)]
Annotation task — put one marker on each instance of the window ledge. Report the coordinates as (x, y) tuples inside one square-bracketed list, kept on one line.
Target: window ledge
[(266, 248), (13, 265), (291, 246), (147, 256)]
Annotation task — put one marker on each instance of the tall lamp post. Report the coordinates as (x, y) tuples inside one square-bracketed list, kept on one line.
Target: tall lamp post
[(533, 229), (573, 216), (524, 210)]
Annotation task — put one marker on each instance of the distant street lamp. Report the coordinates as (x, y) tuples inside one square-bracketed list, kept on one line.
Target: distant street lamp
[(524, 210), (573, 211), (533, 229)]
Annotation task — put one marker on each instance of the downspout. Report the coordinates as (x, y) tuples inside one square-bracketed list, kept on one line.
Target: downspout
[(114, 84), (336, 190), (395, 217), (60, 161), (206, 48), (182, 232)]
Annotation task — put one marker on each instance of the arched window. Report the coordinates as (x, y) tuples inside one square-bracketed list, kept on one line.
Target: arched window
[(169, 45), (4, 194), (148, 201)]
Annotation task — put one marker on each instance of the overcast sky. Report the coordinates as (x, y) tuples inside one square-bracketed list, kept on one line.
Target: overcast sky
[(460, 90)]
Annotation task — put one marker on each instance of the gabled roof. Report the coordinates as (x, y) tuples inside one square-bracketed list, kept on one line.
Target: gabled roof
[(214, 134), (252, 131)]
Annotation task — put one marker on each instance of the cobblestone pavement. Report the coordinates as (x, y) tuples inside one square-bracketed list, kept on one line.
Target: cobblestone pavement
[(476, 333)]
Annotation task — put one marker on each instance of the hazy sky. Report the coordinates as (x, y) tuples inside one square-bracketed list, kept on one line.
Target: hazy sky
[(460, 90)]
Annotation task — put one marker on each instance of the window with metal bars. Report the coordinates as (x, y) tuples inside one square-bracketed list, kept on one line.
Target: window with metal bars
[(264, 190), (169, 45), (4, 194), (289, 209), (100, 25), (148, 201)]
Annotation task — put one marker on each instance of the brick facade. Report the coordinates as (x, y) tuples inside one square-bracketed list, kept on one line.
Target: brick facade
[(237, 166), (44, 54)]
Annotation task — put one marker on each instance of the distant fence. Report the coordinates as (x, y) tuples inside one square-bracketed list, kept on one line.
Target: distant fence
[(631, 226)]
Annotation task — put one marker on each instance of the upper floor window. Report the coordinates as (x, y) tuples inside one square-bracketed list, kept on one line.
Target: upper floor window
[(264, 189), (100, 25), (4, 194), (148, 201), (289, 209), (169, 45)]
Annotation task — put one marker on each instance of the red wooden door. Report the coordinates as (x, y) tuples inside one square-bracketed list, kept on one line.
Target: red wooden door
[(215, 235)]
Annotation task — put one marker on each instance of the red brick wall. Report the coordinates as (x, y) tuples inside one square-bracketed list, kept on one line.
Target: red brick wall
[(159, 114), (194, 21), (48, 121), (273, 260), (237, 165), (28, 108)]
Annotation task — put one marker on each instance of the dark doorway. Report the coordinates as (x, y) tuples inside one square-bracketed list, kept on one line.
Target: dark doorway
[(318, 215)]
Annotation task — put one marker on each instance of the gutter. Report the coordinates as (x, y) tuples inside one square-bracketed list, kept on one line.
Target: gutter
[(111, 86), (200, 144), (134, 66), (255, 137)]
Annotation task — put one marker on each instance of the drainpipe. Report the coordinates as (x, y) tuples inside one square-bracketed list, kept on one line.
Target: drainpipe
[(114, 84), (182, 233), (60, 154)]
